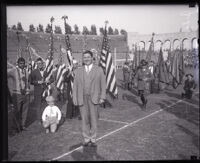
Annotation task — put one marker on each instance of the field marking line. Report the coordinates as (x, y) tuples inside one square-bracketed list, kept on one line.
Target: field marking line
[(125, 126), (194, 105), (112, 132), (114, 121)]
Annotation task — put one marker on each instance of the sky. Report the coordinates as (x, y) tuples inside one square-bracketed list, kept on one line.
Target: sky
[(143, 19)]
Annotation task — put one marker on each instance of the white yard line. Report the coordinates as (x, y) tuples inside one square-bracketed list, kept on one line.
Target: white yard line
[(114, 121), (194, 105), (119, 129)]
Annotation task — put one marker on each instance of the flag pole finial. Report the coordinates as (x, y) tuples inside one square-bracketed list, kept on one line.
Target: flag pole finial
[(64, 17), (106, 22), (52, 19)]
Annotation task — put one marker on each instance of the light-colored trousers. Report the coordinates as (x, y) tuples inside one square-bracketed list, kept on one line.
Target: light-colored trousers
[(51, 122), (89, 119)]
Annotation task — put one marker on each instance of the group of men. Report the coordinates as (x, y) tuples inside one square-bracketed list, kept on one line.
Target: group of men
[(89, 91), (145, 79)]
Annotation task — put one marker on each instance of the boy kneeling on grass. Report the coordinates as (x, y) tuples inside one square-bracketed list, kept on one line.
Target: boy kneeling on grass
[(51, 115)]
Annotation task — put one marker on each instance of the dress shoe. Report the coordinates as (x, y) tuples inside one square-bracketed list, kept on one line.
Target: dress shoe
[(93, 144), (24, 128), (85, 144)]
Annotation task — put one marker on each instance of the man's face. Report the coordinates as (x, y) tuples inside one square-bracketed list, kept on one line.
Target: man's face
[(21, 64), (40, 64), (87, 59)]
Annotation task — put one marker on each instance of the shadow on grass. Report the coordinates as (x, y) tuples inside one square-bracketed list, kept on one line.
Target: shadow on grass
[(87, 154), (11, 154), (175, 95), (131, 99), (31, 115), (181, 110), (195, 138)]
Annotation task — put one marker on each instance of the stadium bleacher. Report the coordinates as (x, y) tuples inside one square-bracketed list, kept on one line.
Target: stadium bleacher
[(40, 42)]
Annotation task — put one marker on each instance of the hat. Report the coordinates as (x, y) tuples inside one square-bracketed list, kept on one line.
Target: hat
[(143, 62), (189, 75), (50, 99)]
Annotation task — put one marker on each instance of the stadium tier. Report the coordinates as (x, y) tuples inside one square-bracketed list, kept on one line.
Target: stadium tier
[(40, 43)]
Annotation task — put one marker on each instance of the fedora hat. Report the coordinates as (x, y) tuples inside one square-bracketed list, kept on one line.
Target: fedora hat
[(189, 75), (143, 62)]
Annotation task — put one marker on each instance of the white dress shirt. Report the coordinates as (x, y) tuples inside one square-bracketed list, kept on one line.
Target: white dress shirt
[(88, 68)]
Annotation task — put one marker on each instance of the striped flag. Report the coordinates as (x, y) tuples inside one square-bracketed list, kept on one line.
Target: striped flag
[(61, 70), (31, 64), (150, 51), (108, 67), (49, 63), (163, 74), (69, 53), (178, 68)]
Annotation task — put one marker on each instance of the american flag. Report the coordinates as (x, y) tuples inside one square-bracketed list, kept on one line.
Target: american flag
[(31, 64), (151, 48), (49, 63), (61, 70), (108, 67), (69, 51)]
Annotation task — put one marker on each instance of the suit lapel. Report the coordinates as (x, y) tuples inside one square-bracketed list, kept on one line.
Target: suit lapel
[(39, 74), (93, 72)]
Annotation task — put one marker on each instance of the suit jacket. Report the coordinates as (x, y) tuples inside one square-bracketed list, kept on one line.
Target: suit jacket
[(36, 76), (97, 86)]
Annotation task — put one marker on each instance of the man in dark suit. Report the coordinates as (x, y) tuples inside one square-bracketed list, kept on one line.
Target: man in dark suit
[(189, 86), (37, 78), (89, 90)]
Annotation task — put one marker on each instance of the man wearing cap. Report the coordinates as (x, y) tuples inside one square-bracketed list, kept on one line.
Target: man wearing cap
[(89, 90), (189, 86), (18, 77), (142, 81)]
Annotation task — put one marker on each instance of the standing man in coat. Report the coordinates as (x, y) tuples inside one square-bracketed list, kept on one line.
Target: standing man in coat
[(37, 78), (126, 73), (18, 77), (143, 78), (89, 90)]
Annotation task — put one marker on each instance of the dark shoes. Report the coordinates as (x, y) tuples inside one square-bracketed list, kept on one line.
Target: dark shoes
[(85, 144), (91, 144), (23, 128)]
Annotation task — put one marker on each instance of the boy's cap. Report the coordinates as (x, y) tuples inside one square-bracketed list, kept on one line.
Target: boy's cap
[(50, 98), (189, 75)]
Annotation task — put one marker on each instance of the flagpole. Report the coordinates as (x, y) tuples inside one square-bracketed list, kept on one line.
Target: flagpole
[(115, 58), (139, 54)]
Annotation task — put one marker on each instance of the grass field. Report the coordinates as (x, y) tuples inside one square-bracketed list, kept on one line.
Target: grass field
[(167, 130)]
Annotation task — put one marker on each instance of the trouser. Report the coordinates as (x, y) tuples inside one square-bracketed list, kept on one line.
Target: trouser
[(142, 96), (39, 104), (89, 119), (51, 122), (21, 108), (70, 108), (187, 94)]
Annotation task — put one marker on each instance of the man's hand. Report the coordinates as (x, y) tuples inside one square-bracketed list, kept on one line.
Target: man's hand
[(101, 101), (27, 91), (40, 82)]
